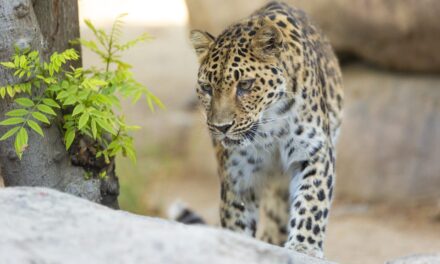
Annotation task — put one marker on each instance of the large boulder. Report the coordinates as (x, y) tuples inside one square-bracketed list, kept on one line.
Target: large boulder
[(39, 225), (390, 139), (397, 34)]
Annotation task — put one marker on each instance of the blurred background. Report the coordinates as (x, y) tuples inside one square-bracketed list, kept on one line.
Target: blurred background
[(387, 200)]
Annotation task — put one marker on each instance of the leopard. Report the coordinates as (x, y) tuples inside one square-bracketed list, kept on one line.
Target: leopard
[(270, 87)]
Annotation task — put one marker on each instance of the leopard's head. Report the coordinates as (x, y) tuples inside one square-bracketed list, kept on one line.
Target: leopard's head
[(240, 76)]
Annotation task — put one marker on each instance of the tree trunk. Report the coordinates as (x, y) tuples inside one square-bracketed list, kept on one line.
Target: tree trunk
[(46, 26)]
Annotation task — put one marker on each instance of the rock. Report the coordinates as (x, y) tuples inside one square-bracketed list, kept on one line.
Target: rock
[(396, 34), (390, 137), (39, 225), (417, 259)]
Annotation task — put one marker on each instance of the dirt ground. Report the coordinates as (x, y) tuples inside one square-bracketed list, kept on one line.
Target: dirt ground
[(175, 161)]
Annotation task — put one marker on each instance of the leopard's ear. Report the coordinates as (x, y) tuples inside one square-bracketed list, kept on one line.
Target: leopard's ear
[(268, 41), (201, 42)]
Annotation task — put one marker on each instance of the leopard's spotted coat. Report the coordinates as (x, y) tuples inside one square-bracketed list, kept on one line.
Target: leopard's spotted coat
[(272, 90)]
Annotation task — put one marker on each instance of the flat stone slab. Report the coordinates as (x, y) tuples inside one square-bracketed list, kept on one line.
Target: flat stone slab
[(40, 225)]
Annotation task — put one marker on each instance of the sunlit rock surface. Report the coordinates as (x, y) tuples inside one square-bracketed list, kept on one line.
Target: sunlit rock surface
[(39, 225)]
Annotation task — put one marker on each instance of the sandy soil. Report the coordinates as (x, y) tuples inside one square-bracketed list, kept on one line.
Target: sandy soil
[(176, 162)]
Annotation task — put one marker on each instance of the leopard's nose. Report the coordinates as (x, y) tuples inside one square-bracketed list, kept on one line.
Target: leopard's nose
[(223, 127)]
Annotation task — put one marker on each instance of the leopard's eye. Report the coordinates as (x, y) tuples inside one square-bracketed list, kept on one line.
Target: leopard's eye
[(206, 88), (244, 86)]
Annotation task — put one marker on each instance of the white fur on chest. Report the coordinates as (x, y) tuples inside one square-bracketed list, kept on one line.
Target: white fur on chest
[(274, 151)]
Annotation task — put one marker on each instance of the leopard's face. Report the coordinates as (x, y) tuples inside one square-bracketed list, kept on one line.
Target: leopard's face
[(235, 86)]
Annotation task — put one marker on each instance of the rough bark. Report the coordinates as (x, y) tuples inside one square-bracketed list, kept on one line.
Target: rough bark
[(46, 26)]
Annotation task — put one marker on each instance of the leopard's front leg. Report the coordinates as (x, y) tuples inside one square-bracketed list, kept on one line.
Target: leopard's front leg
[(238, 211), (311, 190), (239, 200)]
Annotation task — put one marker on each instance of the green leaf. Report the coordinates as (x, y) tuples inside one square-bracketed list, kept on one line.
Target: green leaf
[(93, 47), (133, 42), (94, 129), (150, 104), (10, 91), (55, 88), (23, 61), (104, 99), (90, 25), (51, 102), (65, 84), (21, 74), (83, 120), (93, 83), (102, 174), (157, 101), (23, 101), (22, 133), (10, 133), (3, 92), (97, 82), (69, 137), (131, 154), (106, 126), (46, 109), (28, 86), (99, 34), (62, 94), (40, 117), (34, 125), (115, 150), (33, 54), (8, 64), (17, 88), (83, 95), (16, 60), (12, 121), (17, 112), (51, 70), (21, 142), (136, 97), (70, 100), (78, 110), (115, 143), (97, 113), (133, 128)]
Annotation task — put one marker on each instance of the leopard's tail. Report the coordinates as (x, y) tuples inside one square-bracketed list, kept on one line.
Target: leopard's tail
[(181, 213)]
